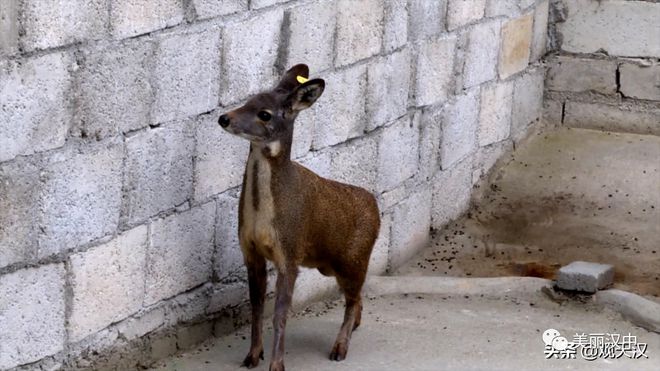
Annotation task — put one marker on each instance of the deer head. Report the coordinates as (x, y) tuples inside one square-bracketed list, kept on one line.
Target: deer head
[(267, 118)]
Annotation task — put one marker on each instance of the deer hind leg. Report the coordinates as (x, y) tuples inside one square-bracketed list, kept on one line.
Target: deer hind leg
[(256, 267), (351, 286)]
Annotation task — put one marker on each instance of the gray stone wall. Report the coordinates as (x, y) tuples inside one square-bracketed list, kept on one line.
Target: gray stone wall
[(605, 69), (119, 192)]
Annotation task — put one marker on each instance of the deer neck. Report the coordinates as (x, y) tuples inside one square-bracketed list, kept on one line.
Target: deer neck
[(276, 153), (259, 199), (265, 162)]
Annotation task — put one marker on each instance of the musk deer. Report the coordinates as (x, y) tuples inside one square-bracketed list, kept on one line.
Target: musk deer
[(293, 217)]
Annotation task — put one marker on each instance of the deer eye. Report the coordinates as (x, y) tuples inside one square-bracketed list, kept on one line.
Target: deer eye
[(264, 116)]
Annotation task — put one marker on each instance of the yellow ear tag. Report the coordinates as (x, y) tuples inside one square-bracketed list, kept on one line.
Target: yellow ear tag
[(301, 79)]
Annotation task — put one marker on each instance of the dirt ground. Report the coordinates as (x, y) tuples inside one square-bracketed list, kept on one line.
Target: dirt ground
[(567, 195)]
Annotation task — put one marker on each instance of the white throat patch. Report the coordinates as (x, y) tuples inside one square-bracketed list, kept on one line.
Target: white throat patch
[(274, 148)]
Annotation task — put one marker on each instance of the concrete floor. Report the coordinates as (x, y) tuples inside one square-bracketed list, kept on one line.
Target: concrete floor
[(565, 195), (431, 332)]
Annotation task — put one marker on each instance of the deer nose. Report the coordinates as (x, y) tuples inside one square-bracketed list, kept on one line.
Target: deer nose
[(223, 121)]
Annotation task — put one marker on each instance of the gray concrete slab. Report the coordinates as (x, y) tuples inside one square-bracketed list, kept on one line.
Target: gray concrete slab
[(432, 332)]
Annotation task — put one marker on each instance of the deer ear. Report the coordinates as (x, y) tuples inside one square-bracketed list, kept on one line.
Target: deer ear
[(290, 79), (306, 94)]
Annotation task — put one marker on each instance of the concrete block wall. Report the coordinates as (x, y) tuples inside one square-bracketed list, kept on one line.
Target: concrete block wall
[(119, 191), (604, 73)]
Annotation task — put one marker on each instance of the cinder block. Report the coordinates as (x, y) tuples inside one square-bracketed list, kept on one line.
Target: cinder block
[(105, 339), (427, 18), (434, 73), (640, 81), (179, 257), (524, 4), (226, 295), (162, 346), (496, 8), (189, 306), (81, 197), (451, 193), (312, 286), (356, 163), (486, 157), (115, 94), (339, 114), (585, 276), (515, 48), (19, 198), (303, 134), (611, 118), (527, 102), (387, 89), (411, 224), (9, 27), (46, 364), (256, 4), (219, 158), (205, 9), (606, 25), (143, 324), (398, 153), (459, 129), (249, 55), (430, 122), (189, 336), (581, 74), (495, 115), (318, 162), (135, 17), (50, 24), (552, 111), (311, 35), (463, 12), (187, 74), (32, 315), (359, 30), (540, 33), (107, 283), (103, 350), (395, 27), (35, 111), (159, 171), (379, 260), (228, 256), (389, 199), (481, 54)]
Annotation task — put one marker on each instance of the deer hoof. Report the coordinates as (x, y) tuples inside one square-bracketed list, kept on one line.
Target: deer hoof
[(276, 366), (339, 352), (252, 359)]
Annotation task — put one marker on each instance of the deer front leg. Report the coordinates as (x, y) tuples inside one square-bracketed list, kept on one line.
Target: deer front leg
[(256, 267), (284, 292)]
